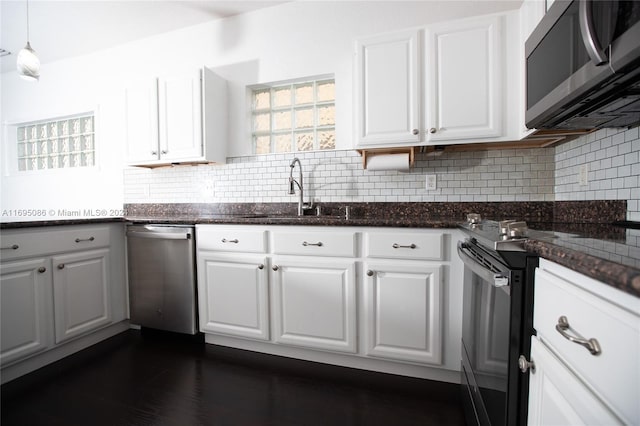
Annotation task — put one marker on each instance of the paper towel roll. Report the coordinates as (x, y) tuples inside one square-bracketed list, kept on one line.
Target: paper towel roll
[(399, 162)]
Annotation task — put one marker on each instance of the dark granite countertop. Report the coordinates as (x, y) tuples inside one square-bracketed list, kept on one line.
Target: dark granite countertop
[(582, 239), (610, 254), (59, 222), (324, 220)]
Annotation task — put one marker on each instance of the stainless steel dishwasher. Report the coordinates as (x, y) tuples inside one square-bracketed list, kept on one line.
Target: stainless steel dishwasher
[(162, 287)]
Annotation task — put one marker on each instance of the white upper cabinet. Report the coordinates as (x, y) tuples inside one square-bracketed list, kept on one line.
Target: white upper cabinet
[(177, 118), (180, 113), (464, 75), (388, 89), (141, 122), (452, 82)]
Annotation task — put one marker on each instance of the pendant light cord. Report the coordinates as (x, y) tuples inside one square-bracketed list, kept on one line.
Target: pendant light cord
[(27, 21)]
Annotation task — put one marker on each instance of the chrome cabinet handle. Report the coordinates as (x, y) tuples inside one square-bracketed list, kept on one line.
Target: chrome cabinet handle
[(591, 344), (13, 247), (61, 266), (396, 245), (318, 244), (42, 269), (432, 130), (78, 240), (370, 272), (234, 241), (416, 132), (275, 267), (261, 266), (525, 365)]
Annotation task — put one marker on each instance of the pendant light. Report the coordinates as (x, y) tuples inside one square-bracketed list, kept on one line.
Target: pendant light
[(28, 62)]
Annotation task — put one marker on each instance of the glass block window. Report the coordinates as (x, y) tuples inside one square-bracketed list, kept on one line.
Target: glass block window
[(294, 117), (57, 144)]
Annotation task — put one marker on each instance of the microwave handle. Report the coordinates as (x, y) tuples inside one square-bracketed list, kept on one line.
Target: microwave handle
[(589, 36)]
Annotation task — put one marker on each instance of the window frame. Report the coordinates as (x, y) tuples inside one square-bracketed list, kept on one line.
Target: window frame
[(272, 110), (11, 152)]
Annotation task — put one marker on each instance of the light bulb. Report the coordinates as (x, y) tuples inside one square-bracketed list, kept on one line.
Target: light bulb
[(28, 64)]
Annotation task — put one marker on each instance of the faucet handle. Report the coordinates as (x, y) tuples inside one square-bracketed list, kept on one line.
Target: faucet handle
[(292, 188)]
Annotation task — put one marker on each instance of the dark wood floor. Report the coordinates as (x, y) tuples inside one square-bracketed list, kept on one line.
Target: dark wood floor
[(158, 379)]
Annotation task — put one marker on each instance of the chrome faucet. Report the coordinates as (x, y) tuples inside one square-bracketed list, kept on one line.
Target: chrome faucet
[(302, 206)]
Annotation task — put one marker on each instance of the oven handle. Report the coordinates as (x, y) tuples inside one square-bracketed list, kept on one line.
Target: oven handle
[(497, 280)]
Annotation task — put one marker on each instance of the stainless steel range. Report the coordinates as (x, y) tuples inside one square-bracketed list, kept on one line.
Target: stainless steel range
[(497, 319)]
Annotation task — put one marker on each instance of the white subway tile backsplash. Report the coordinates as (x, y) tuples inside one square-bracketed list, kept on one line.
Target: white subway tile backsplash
[(539, 174), (613, 168)]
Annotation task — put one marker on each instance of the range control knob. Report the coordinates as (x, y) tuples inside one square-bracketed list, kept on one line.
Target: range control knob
[(474, 218), (517, 229), (504, 226)]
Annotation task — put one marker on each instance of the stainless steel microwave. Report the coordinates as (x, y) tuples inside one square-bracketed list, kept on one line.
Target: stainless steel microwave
[(583, 66)]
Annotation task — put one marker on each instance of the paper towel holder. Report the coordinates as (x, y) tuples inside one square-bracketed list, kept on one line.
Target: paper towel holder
[(367, 153)]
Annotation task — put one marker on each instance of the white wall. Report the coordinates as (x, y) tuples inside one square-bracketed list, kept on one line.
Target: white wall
[(292, 40)]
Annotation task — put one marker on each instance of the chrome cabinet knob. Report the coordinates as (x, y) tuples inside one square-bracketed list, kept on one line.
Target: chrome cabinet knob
[(275, 267), (61, 266), (526, 365), (261, 266), (154, 152), (416, 132), (164, 151), (42, 269), (432, 130), (370, 273)]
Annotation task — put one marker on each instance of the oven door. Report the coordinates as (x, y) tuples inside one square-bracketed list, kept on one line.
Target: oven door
[(485, 334)]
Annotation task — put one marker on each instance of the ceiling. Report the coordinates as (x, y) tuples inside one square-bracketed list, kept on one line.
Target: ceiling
[(61, 29)]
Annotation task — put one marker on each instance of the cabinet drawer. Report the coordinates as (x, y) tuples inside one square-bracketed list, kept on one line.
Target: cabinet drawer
[(229, 238), (614, 374), (315, 243), (398, 245), (41, 241)]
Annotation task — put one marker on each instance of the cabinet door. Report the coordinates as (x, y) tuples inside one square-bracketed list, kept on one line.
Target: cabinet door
[(558, 397), (81, 293), (180, 104), (315, 303), (233, 294), (388, 89), (25, 296), (403, 311), (465, 84), (141, 122)]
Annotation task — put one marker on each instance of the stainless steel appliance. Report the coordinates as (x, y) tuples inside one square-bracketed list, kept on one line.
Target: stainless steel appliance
[(583, 66), (162, 286), (497, 320)]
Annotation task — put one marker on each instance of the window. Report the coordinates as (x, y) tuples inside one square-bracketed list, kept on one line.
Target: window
[(294, 117), (57, 144)]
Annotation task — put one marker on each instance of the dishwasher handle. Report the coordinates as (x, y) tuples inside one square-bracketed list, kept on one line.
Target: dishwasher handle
[(182, 234)]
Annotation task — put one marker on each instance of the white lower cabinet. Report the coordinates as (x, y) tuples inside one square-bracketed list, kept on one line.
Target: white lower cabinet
[(305, 292), (315, 302), (25, 296), (585, 352), (81, 293), (59, 284), (403, 311), (558, 397), (234, 294)]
